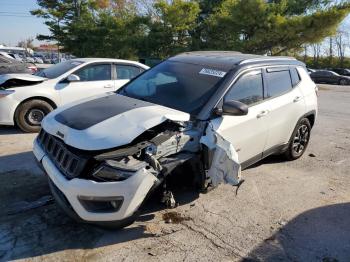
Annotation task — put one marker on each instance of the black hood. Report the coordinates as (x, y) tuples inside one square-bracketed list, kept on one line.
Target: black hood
[(87, 114)]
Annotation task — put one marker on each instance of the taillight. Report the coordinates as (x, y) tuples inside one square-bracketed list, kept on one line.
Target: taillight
[(34, 69), (4, 93)]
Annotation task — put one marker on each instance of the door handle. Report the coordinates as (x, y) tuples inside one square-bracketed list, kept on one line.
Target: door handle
[(108, 86), (297, 99), (262, 114)]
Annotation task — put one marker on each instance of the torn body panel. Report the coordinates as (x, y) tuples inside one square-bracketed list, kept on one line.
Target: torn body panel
[(224, 165), (16, 80)]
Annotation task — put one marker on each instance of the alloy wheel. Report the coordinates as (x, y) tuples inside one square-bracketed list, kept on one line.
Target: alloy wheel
[(301, 139)]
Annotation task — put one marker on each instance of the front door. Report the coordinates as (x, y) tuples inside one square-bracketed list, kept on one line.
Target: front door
[(94, 79), (247, 133)]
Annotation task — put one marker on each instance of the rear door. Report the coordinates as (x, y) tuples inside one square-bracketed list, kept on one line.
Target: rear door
[(247, 133), (334, 77), (94, 79), (123, 73), (285, 104)]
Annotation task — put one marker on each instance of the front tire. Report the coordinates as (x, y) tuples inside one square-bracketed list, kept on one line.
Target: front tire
[(299, 140), (29, 115)]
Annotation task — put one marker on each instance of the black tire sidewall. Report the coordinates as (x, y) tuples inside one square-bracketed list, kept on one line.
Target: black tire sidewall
[(22, 111), (290, 153)]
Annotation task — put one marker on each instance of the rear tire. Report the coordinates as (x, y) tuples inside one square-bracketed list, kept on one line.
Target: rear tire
[(299, 140), (343, 82), (29, 115)]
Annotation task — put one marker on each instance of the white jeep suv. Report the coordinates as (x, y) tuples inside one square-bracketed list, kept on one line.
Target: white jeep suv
[(217, 112)]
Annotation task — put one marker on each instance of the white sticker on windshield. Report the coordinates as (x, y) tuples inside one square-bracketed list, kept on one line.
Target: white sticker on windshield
[(212, 72)]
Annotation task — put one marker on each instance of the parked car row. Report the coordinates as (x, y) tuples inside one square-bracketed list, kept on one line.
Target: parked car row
[(8, 65), (329, 77), (212, 112)]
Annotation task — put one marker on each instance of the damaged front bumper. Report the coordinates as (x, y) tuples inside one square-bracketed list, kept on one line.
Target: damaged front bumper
[(99, 201), (111, 186)]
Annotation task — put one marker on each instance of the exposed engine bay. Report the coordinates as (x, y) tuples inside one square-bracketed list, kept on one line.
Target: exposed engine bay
[(167, 146)]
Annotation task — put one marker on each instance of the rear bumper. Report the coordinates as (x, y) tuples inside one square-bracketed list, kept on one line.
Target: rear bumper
[(132, 190)]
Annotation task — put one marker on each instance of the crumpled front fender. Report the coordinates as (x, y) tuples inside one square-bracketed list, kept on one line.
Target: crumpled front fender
[(225, 167)]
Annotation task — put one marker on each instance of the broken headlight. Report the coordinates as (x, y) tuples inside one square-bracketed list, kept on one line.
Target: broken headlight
[(107, 173)]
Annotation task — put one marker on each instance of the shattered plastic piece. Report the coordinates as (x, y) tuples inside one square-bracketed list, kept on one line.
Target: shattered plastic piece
[(225, 167), (168, 199)]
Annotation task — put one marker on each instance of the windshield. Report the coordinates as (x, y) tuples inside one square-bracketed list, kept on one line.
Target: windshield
[(58, 69), (183, 86), (334, 73)]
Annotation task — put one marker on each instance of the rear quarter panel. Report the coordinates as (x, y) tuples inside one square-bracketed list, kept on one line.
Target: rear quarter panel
[(308, 89)]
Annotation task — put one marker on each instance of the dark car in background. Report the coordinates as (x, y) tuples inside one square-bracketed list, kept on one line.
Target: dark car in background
[(12, 66), (329, 77), (341, 71)]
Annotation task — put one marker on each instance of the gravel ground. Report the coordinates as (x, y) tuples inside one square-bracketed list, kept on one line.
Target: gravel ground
[(289, 211)]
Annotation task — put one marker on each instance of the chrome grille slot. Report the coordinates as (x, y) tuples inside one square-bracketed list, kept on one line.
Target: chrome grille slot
[(66, 161)]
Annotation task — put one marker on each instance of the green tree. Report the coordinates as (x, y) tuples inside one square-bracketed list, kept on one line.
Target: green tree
[(58, 15), (273, 27), (109, 28), (170, 27)]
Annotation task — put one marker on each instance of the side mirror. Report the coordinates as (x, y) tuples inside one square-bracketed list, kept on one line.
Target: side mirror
[(234, 108), (73, 78)]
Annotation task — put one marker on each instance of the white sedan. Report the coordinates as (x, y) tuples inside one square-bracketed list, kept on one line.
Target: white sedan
[(26, 99)]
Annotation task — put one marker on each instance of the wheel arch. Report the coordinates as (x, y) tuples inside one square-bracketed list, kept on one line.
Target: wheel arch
[(311, 116), (43, 98)]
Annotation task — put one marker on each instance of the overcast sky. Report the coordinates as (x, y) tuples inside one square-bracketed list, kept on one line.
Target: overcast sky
[(16, 23)]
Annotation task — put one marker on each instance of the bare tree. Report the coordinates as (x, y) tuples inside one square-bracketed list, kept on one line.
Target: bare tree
[(316, 49), (342, 43)]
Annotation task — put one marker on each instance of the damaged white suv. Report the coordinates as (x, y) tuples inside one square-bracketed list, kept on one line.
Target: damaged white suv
[(218, 111)]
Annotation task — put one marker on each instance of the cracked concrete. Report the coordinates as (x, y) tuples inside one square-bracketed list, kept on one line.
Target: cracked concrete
[(289, 211)]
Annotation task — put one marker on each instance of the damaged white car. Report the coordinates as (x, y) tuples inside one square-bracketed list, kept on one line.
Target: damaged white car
[(26, 99), (218, 111)]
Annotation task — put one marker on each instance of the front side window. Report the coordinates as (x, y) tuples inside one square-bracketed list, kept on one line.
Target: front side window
[(279, 82), (97, 72), (127, 72), (333, 74), (248, 89)]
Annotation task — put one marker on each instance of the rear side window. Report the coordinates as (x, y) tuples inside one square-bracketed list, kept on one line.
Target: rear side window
[(127, 71), (295, 76), (279, 82), (248, 89)]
